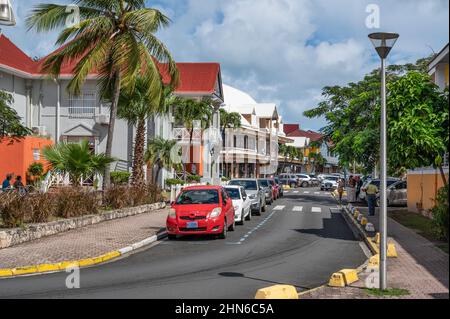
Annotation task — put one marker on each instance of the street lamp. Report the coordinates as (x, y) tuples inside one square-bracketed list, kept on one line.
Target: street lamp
[(383, 43), (6, 13)]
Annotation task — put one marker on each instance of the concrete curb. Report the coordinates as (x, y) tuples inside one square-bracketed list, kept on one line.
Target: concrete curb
[(83, 263)]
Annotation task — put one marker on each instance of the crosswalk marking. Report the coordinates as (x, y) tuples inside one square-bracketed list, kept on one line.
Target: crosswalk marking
[(305, 192), (296, 192), (279, 208), (317, 193), (316, 210), (297, 209)]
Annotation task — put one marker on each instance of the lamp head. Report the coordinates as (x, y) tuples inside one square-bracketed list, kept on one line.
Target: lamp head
[(383, 42)]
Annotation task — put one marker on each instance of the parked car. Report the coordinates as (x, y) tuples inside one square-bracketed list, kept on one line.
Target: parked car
[(304, 180), (377, 183), (268, 190), (205, 210), (275, 187), (396, 195), (314, 180), (255, 193), (289, 179), (280, 186), (241, 203), (329, 182)]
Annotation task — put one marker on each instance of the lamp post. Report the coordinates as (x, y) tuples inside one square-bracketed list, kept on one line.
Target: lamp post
[(383, 43), (6, 13)]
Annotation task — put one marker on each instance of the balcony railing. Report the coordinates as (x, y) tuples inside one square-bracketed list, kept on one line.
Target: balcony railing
[(82, 112)]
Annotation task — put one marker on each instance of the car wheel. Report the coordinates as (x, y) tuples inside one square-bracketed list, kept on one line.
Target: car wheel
[(242, 222), (232, 226), (171, 237), (304, 184), (224, 233), (293, 185), (263, 209), (249, 217)]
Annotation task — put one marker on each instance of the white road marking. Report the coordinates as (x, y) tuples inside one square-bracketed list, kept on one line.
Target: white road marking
[(296, 192), (316, 210), (317, 193), (279, 208), (305, 192), (297, 209)]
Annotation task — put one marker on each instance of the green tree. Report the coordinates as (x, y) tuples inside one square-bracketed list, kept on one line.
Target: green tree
[(418, 127), (115, 39), (137, 107), (160, 152), (10, 122), (77, 160)]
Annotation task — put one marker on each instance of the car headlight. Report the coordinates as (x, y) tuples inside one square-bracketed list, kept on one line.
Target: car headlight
[(216, 212), (172, 213)]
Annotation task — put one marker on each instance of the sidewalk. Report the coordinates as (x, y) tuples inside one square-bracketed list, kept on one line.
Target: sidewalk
[(86, 242), (421, 268)]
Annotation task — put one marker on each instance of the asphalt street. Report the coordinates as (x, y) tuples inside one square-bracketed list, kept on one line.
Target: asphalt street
[(300, 240)]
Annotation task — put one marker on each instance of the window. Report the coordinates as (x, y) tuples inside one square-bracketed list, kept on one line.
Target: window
[(83, 105), (36, 154)]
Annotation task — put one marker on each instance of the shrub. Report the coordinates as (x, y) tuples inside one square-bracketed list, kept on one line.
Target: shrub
[(75, 202), (14, 209), (43, 207), (440, 214), (173, 182), (194, 178), (118, 197), (120, 178)]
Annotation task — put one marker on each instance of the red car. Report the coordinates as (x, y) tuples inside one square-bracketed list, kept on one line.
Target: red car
[(275, 189), (205, 210)]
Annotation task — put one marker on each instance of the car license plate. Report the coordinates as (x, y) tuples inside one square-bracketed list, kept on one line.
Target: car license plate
[(192, 225)]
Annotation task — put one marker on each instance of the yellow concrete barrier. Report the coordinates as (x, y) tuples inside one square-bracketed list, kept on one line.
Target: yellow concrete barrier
[(364, 221), (356, 214), (343, 278), (392, 251), (374, 261), (377, 238), (277, 292)]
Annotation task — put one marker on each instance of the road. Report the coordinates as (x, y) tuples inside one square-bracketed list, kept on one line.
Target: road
[(301, 240)]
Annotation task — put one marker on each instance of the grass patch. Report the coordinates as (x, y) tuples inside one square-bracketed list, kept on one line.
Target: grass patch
[(420, 224), (391, 292)]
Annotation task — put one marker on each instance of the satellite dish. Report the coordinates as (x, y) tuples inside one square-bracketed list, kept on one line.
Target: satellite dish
[(6, 13)]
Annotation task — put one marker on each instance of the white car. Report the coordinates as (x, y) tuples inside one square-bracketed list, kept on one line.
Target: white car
[(329, 183), (241, 203), (304, 180)]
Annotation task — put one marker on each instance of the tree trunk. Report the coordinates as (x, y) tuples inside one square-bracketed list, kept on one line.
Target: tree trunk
[(138, 162), (112, 122), (444, 178), (157, 174)]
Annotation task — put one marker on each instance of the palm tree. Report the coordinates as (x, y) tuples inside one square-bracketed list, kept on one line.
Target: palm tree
[(160, 153), (77, 160), (137, 107), (228, 121), (189, 111), (115, 39)]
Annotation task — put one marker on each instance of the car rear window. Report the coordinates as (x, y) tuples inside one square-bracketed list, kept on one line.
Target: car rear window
[(203, 196), (247, 184), (233, 193)]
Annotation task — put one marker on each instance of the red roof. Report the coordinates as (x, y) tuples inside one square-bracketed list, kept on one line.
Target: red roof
[(194, 77), (313, 136), (289, 128)]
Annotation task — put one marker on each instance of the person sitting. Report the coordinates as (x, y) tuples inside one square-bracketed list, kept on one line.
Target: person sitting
[(18, 185), (6, 185)]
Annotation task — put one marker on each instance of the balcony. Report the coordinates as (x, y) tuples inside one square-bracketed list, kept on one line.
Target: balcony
[(183, 135)]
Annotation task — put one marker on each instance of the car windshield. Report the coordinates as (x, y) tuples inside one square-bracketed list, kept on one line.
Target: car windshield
[(234, 193), (247, 184), (263, 182), (198, 196), (332, 178)]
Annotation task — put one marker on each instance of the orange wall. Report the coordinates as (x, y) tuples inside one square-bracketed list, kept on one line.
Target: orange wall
[(423, 188), (18, 156)]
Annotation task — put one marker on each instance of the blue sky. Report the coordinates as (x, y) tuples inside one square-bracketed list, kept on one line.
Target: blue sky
[(282, 51)]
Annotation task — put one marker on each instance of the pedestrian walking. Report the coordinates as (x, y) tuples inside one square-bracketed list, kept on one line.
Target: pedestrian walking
[(371, 195), (351, 190)]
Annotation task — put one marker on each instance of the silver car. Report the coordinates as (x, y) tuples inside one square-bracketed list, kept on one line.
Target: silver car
[(397, 194), (255, 193)]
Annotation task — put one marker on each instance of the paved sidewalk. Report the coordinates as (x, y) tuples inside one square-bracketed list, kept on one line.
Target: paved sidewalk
[(421, 268), (86, 242)]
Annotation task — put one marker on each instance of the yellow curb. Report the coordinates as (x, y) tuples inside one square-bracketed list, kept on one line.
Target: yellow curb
[(392, 251), (24, 270), (43, 268), (6, 272), (48, 267), (277, 292)]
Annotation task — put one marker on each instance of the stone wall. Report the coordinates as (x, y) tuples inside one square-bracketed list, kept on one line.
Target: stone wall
[(15, 236)]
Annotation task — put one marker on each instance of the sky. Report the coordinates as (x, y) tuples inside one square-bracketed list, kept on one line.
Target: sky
[(282, 51)]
